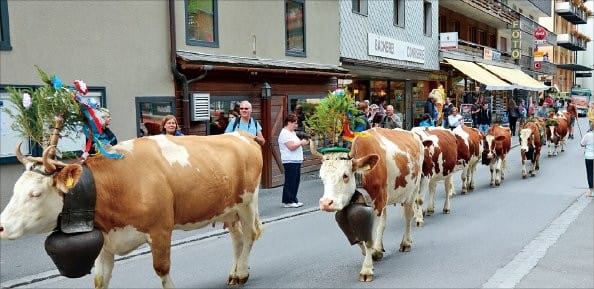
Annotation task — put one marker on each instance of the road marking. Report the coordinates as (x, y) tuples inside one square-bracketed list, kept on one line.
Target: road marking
[(512, 273)]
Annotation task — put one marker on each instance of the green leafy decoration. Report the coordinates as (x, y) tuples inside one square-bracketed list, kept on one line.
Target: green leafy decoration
[(329, 116), (38, 121)]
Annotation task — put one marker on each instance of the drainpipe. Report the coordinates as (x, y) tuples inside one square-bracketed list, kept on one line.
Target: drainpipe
[(182, 78)]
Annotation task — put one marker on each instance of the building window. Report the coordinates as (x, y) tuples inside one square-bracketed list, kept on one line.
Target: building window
[(482, 37), (472, 34), (456, 27), (503, 44), (360, 7), (427, 14), (4, 31), (295, 27), (150, 111), (492, 40), (201, 23), (221, 108), (399, 13)]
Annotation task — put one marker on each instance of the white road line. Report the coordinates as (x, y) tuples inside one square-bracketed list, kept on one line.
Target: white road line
[(512, 273)]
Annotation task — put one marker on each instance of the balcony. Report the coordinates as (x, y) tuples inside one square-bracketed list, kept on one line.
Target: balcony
[(470, 50), (571, 42), (490, 12), (527, 64), (571, 12)]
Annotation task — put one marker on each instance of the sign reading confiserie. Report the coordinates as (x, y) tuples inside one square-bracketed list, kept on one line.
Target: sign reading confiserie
[(394, 49)]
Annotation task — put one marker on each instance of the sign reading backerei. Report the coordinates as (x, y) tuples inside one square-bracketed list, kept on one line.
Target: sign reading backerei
[(391, 48)]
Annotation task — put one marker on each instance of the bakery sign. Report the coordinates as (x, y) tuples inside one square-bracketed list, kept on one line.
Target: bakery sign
[(386, 47)]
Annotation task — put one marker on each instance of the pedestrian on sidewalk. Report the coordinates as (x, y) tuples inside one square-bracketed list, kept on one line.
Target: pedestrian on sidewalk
[(169, 126), (291, 149), (588, 144)]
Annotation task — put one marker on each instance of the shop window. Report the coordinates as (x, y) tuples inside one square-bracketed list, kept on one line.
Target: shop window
[(4, 28), (503, 44), (223, 109), (295, 27), (150, 111), (202, 23), (399, 12), (71, 142), (360, 7)]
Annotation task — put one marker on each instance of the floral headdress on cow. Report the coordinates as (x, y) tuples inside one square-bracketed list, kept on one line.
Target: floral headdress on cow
[(330, 122), (41, 113)]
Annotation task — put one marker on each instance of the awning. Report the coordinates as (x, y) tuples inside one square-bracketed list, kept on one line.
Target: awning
[(479, 74), (520, 79), (574, 67)]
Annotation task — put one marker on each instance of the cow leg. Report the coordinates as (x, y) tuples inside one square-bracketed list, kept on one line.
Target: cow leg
[(406, 243), (465, 179), (471, 171), (237, 240), (103, 269), (251, 228), (420, 202), (503, 168), (431, 203), (524, 173), (448, 183), (492, 169), (366, 273), (378, 242), (497, 171), (161, 250)]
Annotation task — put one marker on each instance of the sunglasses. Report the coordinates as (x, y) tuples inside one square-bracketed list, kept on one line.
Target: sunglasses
[(243, 108)]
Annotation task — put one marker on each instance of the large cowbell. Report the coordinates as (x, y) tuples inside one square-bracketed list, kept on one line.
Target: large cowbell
[(356, 219), (75, 245)]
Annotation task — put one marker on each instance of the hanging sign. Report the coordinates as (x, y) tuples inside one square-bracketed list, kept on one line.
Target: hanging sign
[(516, 42)]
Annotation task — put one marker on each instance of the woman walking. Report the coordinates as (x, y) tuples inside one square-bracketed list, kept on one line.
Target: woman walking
[(588, 144), (291, 150)]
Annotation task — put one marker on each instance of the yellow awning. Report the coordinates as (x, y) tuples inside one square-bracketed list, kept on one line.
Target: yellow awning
[(479, 74), (520, 79)]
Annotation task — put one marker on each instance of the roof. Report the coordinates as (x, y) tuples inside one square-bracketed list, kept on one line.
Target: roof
[(515, 76), (479, 74), (226, 60)]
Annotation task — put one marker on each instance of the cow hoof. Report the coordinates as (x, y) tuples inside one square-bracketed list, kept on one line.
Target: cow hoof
[(523, 176), (497, 184), (446, 211), (429, 212), (377, 255), (533, 175), (463, 192), (404, 248), (365, 277), (420, 223), (234, 280)]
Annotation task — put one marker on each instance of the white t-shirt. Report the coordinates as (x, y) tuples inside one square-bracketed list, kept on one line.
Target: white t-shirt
[(588, 143), (455, 120), (287, 155)]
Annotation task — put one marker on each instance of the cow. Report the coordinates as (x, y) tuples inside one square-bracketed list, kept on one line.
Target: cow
[(470, 149), (530, 147), (497, 145), (556, 130), (162, 183), (390, 162), (439, 162)]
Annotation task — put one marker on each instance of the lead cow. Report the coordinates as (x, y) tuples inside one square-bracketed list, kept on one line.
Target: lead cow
[(497, 145), (390, 162), (162, 183)]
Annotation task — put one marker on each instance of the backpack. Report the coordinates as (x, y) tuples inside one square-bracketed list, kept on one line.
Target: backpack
[(236, 123)]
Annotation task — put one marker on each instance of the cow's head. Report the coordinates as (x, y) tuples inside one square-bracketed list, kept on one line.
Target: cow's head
[(338, 175), (37, 198), (490, 145), (526, 139)]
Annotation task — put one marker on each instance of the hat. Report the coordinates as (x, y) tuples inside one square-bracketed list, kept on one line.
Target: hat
[(373, 106)]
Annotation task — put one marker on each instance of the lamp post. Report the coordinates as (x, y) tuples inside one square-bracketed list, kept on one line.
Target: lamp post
[(266, 92)]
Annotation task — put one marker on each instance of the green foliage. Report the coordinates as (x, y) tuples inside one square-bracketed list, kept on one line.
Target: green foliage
[(38, 120), (329, 116)]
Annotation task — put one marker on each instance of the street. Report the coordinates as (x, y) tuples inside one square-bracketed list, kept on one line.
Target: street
[(534, 232)]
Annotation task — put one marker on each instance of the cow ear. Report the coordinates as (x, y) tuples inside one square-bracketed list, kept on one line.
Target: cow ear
[(68, 177), (365, 163), (427, 142)]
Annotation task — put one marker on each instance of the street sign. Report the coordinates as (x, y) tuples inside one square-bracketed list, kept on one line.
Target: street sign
[(540, 33), (537, 65)]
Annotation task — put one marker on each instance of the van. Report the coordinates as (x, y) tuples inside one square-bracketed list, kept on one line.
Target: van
[(581, 98)]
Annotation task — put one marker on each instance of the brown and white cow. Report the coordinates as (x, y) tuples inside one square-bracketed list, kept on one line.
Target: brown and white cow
[(556, 129), (470, 149), (530, 147), (439, 162), (497, 145), (162, 183), (390, 162)]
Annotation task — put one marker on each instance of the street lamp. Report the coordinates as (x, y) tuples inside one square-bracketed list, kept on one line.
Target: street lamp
[(266, 91)]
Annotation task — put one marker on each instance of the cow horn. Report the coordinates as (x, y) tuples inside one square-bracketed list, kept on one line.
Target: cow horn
[(18, 153), (313, 148), (49, 166)]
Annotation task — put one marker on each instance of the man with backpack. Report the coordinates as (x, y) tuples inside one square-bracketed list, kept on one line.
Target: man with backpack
[(246, 123)]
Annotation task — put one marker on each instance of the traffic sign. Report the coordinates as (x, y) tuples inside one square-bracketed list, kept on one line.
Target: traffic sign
[(540, 33), (537, 65)]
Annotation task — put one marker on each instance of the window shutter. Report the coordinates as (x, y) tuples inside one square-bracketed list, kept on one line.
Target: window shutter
[(200, 105)]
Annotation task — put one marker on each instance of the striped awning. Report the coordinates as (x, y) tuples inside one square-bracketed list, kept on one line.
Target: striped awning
[(517, 77), (479, 74)]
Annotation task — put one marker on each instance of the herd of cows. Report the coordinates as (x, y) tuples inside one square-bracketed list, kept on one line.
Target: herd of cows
[(165, 183)]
